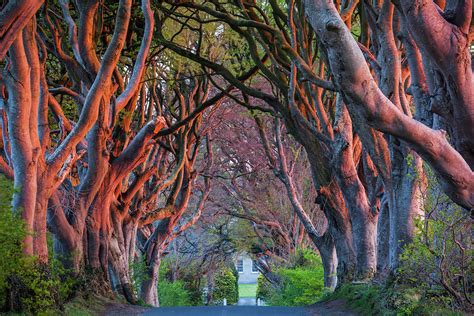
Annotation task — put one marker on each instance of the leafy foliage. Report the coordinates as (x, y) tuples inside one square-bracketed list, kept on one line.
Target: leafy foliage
[(173, 294), (438, 260), (138, 272), (28, 285), (226, 287), (302, 283), (263, 287), (184, 291), (45, 287), (12, 232), (362, 298), (390, 299)]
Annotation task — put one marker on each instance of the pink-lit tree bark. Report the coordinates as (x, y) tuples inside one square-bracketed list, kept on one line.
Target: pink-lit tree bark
[(40, 163), (367, 101), (14, 16)]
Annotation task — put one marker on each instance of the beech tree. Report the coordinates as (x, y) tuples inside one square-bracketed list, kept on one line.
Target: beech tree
[(38, 167), (172, 216), (89, 173), (299, 117), (14, 16), (304, 65), (121, 125)]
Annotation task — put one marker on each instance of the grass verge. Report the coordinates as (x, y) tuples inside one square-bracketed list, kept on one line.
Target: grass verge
[(370, 299)]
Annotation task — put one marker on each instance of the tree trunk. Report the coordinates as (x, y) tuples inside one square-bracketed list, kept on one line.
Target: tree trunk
[(149, 287), (339, 224), (121, 270), (24, 156), (362, 218), (119, 258), (383, 236), (40, 237), (329, 258), (404, 203)]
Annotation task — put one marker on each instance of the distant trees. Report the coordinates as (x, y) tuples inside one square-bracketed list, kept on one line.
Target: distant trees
[(242, 191)]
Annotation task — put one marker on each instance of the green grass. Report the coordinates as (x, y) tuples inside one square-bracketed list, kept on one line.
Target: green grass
[(367, 299), (362, 298), (247, 290)]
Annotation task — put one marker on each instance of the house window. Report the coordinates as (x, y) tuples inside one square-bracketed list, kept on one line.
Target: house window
[(254, 266), (240, 265)]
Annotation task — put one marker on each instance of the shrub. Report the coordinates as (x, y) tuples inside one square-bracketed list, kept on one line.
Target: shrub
[(390, 299), (12, 232), (225, 287), (263, 287), (233, 268), (138, 272), (437, 263), (173, 294), (29, 286), (306, 258), (46, 287), (188, 280), (300, 286), (193, 286), (362, 298), (302, 283)]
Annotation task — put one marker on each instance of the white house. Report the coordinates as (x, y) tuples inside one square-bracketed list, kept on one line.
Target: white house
[(248, 272)]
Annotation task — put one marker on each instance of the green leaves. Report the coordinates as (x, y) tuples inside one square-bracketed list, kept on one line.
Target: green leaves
[(36, 288), (302, 283), (173, 294), (12, 232), (226, 287)]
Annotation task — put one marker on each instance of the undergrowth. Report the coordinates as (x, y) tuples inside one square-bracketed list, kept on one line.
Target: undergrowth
[(391, 299)]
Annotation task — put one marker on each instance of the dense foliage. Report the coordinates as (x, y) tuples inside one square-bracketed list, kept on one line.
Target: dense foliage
[(390, 299), (173, 294), (438, 262), (12, 233), (302, 283), (180, 291), (24, 283), (225, 286)]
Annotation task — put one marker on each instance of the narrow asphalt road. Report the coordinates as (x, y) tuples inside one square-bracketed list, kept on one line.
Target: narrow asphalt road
[(228, 311), (334, 308)]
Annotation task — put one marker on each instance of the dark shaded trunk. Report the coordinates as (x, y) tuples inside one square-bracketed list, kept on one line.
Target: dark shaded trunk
[(363, 220), (339, 226), (329, 258), (149, 287), (383, 236), (404, 202)]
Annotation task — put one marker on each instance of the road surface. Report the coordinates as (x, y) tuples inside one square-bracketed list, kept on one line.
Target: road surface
[(336, 308), (228, 311)]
